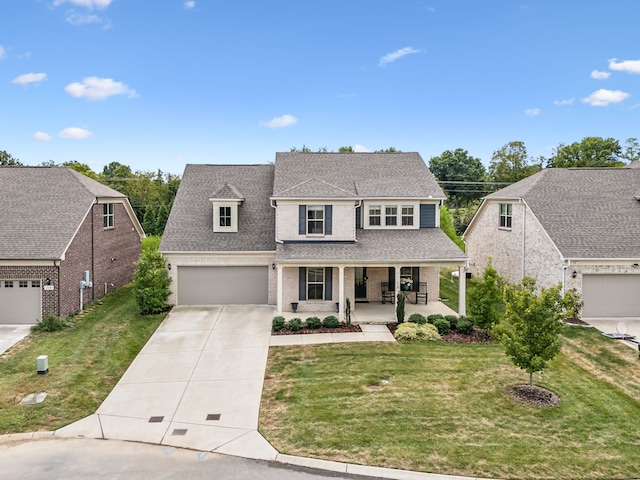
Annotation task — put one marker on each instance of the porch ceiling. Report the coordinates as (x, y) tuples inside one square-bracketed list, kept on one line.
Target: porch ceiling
[(427, 245)]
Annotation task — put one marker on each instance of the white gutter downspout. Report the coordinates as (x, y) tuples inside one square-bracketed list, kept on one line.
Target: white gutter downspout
[(564, 277), (275, 208), (358, 205)]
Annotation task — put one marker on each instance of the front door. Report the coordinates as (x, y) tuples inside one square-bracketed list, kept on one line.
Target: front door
[(361, 284)]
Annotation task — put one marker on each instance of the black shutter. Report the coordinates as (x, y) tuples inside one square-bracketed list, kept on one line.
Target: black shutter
[(302, 219), (427, 215), (359, 217), (302, 283), (328, 283), (392, 278), (415, 277), (328, 220)]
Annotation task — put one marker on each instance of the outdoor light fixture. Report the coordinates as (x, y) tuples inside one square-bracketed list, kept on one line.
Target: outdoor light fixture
[(47, 281), (168, 266), (273, 266), (635, 265), (574, 274)]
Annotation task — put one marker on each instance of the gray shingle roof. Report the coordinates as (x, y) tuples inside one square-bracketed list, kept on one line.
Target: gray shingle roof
[(406, 246), (588, 213), (398, 175), (190, 224), (41, 209)]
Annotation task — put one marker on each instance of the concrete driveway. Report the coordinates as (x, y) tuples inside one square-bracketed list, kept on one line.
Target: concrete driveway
[(630, 326), (12, 334), (197, 384)]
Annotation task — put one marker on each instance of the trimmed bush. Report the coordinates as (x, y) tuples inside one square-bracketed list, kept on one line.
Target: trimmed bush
[(417, 318), (151, 283), (465, 325), (331, 321), (416, 332), (442, 325), (313, 322), (453, 321), (277, 324), (433, 317), (51, 323), (294, 324)]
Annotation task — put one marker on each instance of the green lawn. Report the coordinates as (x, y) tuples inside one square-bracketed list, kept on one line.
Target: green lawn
[(449, 288), (85, 363), (446, 408)]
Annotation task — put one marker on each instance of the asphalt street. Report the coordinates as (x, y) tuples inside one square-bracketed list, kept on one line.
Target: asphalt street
[(80, 459)]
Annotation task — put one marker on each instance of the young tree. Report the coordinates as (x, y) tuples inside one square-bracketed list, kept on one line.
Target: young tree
[(530, 331), (485, 296), (151, 283)]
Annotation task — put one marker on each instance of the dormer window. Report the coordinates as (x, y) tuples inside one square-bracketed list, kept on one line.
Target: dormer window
[(226, 201), (225, 216)]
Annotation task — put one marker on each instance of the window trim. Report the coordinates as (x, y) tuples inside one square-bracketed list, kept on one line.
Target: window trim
[(391, 217), (315, 283), (108, 215), (320, 221), (372, 214), (218, 205), (505, 216), (407, 216), (225, 219)]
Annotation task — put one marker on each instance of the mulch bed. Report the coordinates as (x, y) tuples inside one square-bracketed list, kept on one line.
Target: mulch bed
[(534, 396), (306, 331), (576, 321), (476, 336)]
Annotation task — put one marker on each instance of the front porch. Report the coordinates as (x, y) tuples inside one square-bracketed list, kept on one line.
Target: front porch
[(378, 313)]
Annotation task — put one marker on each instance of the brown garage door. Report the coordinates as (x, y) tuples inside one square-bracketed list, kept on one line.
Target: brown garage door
[(611, 295), (20, 302), (223, 285)]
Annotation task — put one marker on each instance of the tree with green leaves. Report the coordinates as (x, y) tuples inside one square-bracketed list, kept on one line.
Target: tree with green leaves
[(531, 327), (82, 168), (631, 152), (511, 163), (459, 166), (151, 283), (485, 298), (590, 152), (7, 159), (446, 225)]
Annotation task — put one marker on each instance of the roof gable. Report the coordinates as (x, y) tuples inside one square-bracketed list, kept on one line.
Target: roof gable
[(227, 192), (316, 188)]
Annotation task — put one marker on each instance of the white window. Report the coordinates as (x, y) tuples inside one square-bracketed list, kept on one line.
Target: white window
[(391, 215), (23, 284), (505, 215), (374, 215), (35, 283), (107, 215), (8, 284), (225, 216), (407, 215), (315, 220), (315, 283)]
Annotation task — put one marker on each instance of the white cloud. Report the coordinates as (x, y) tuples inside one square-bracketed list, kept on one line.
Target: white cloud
[(29, 78), (90, 4), (41, 136), (75, 133), (603, 97), (392, 57), (78, 19), (280, 122), (532, 112), (360, 148), (598, 75), (94, 88), (567, 101), (629, 66), (189, 4), (3, 52)]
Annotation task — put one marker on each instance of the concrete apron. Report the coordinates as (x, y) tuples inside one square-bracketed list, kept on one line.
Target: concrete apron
[(197, 384), (613, 325)]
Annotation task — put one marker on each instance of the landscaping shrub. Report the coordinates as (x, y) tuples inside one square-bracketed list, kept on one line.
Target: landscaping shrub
[(442, 325), (151, 283), (465, 325), (277, 324), (331, 321), (433, 317), (453, 321), (400, 308), (417, 318), (313, 322), (50, 323), (416, 332), (294, 324)]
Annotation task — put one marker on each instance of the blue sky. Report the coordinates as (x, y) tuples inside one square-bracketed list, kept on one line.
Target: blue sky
[(157, 84)]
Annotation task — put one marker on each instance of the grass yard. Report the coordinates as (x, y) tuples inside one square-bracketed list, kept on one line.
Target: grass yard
[(85, 363), (445, 408), (449, 288)]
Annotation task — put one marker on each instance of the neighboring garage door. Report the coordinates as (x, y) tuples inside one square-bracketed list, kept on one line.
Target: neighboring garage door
[(611, 295), (223, 285), (19, 302)]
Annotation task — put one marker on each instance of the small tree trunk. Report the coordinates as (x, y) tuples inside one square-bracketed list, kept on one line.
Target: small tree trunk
[(531, 380)]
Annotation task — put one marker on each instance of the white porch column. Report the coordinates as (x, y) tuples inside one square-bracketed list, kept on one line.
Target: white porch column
[(462, 290), (397, 275), (341, 293), (279, 301)]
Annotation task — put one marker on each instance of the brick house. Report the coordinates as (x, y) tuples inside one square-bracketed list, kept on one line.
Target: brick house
[(578, 227), (56, 224), (312, 229)]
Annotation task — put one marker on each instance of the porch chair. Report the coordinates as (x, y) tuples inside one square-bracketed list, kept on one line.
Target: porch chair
[(421, 292), (386, 293)]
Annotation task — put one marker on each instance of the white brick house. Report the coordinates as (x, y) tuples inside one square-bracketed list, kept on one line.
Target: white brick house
[(308, 232), (576, 227)]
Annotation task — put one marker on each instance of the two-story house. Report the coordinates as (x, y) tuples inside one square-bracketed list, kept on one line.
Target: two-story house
[(307, 232)]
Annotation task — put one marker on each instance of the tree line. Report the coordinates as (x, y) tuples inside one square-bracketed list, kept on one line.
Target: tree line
[(151, 194)]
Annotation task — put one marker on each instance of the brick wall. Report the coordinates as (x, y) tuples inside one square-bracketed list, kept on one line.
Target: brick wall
[(343, 224)]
